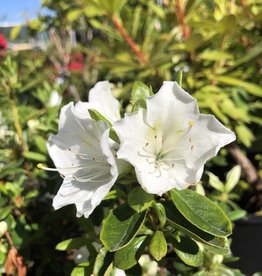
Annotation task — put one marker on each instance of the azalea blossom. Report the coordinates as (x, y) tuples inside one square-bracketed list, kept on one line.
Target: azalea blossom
[(102, 100), (84, 155), (169, 143)]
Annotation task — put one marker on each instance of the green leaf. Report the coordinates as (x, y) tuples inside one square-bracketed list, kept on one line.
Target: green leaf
[(249, 87), (114, 194), (73, 15), (215, 182), (202, 212), (139, 200), (97, 116), (227, 24), (120, 227), (102, 262), (128, 256), (83, 269), (72, 243), (175, 219), (214, 55), (161, 213), (245, 135), (35, 156), (187, 250), (232, 179), (236, 214), (158, 246), (251, 54), (5, 211), (179, 78), (194, 42), (139, 93), (15, 31)]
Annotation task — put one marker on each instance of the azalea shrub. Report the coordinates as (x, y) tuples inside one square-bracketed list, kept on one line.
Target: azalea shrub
[(142, 183), (142, 165)]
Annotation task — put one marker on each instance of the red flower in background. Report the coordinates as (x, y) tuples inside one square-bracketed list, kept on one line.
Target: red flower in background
[(3, 42), (76, 63)]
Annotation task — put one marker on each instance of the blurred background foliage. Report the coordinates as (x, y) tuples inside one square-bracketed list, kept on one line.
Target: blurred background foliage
[(217, 45)]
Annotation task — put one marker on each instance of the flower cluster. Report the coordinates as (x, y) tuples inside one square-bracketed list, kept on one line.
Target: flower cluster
[(167, 143)]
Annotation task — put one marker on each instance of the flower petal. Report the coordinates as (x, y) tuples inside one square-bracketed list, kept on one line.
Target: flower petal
[(86, 196), (102, 99), (159, 183), (172, 110), (203, 141), (134, 134), (82, 152)]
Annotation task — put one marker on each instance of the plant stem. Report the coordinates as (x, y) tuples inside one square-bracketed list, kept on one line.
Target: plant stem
[(181, 19), (122, 31), (244, 162)]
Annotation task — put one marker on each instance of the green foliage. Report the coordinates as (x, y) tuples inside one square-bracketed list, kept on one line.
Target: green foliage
[(139, 200), (120, 227), (158, 246), (220, 61), (202, 212)]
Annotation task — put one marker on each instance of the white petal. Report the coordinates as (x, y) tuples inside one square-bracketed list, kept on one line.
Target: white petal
[(86, 196), (134, 134), (81, 109), (104, 101), (81, 151), (180, 177), (172, 110), (63, 114), (204, 140)]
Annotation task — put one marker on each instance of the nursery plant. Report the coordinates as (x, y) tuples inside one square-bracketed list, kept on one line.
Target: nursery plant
[(126, 170), (147, 159)]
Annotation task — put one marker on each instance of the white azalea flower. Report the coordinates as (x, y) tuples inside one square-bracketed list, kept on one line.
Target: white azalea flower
[(83, 154), (169, 143), (102, 100)]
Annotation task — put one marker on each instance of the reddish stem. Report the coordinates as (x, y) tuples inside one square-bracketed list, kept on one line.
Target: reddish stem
[(181, 20), (135, 48)]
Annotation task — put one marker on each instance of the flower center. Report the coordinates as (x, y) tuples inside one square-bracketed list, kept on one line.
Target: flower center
[(160, 158)]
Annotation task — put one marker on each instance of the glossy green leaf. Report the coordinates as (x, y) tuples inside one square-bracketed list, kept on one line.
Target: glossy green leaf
[(232, 179), (83, 269), (158, 246), (161, 213), (179, 222), (215, 182), (102, 262), (120, 227), (188, 251), (139, 200), (202, 212), (128, 256), (72, 243)]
